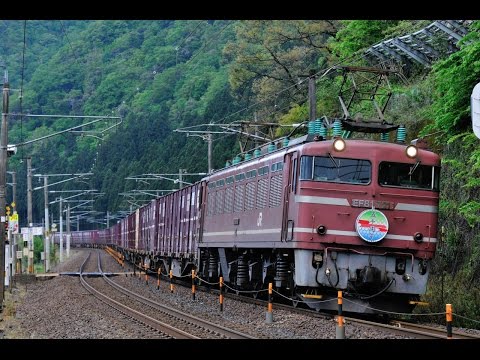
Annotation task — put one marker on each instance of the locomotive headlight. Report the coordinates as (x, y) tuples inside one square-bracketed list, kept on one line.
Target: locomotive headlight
[(321, 230), (339, 144), (418, 237), (411, 151)]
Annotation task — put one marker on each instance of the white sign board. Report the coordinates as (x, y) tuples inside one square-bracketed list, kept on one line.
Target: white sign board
[(7, 268), (30, 254), (19, 254), (26, 234), (475, 108), (37, 230), (25, 251)]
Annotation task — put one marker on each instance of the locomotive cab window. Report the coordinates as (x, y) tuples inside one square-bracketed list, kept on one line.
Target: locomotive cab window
[(340, 170), (412, 176)]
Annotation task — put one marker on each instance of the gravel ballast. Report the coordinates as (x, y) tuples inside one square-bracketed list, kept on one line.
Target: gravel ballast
[(62, 308)]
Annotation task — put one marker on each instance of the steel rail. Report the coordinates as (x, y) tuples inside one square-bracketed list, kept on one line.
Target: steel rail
[(193, 320), (136, 315)]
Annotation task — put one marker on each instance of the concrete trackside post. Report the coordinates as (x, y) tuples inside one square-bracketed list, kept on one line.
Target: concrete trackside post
[(269, 318), (449, 321), (340, 329), (221, 293), (193, 285), (146, 275)]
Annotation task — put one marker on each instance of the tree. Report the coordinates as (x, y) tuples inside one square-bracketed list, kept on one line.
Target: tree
[(273, 57)]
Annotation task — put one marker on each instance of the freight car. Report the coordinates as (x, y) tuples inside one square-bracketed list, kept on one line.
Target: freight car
[(313, 216), (87, 238)]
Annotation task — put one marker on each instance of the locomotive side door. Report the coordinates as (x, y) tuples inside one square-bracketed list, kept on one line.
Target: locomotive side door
[(289, 189)]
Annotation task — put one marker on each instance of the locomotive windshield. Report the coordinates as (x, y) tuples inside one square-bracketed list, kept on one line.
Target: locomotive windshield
[(414, 176), (342, 170)]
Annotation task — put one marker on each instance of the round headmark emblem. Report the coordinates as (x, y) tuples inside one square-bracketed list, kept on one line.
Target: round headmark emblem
[(371, 225)]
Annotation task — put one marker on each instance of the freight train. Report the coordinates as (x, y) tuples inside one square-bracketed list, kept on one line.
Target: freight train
[(312, 216)]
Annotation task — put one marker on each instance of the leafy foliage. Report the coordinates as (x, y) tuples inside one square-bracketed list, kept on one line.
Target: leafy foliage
[(359, 34), (454, 79), (156, 75), (273, 57)]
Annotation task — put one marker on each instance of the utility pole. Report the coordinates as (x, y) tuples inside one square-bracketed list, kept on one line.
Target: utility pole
[(29, 213), (180, 177), (14, 190), (206, 136), (68, 231), (29, 192), (46, 246), (61, 229), (49, 236), (3, 184), (78, 222), (256, 128), (312, 98), (52, 238), (108, 220), (13, 242), (209, 141)]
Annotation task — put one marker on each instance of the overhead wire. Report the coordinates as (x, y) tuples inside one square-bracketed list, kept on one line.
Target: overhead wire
[(269, 114), (189, 35), (177, 47), (64, 31), (46, 164), (324, 70), (301, 101), (21, 84), (77, 61), (202, 48), (217, 34)]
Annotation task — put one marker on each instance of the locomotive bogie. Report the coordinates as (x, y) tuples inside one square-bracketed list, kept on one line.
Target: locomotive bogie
[(248, 269)]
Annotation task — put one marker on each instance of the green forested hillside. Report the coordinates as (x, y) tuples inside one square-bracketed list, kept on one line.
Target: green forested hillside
[(162, 75), (122, 68)]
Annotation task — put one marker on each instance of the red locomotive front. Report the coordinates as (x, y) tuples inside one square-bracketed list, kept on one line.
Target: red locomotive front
[(364, 221), (313, 219)]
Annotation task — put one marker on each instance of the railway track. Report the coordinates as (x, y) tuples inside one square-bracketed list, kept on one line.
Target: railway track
[(429, 331), (395, 326), (188, 323), (159, 326)]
